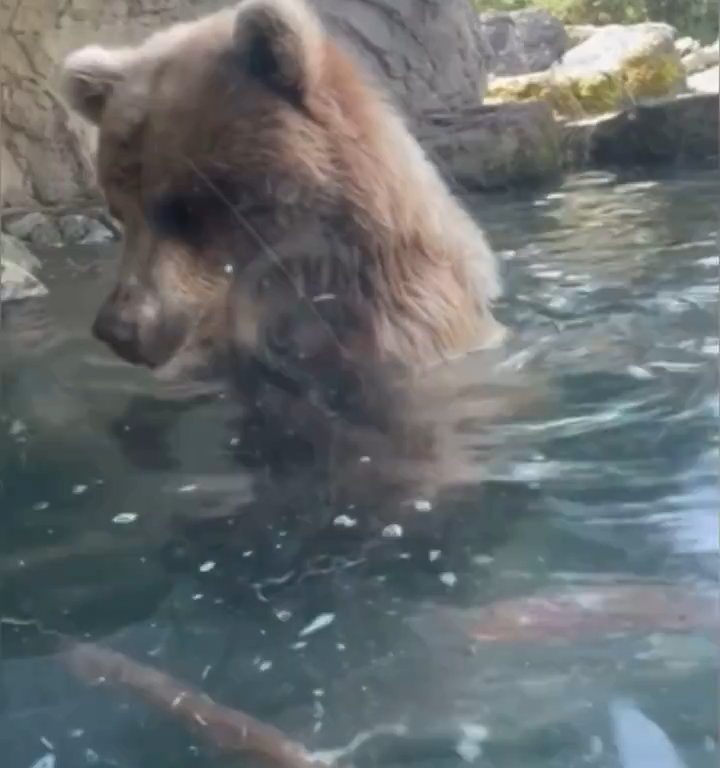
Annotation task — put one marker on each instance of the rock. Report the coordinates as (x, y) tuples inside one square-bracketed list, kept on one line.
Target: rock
[(16, 251), (14, 185), (705, 82), (79, 229), (17, 265), (523, 41), (686, 45), (36, 228), (612, 44), (673, 130), (579, 33), (615, 67), (428, 52), (98, 234), (702, 58), (563, 95), (498, 147), (73, 228)]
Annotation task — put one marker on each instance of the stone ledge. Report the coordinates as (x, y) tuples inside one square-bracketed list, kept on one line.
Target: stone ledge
[(494, 147), (683, 129)]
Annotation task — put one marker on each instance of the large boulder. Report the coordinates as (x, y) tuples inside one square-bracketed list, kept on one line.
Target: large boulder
[(675, 130), (36, 228), (702, 58), (523, 41), (579, 33), (17, 271), (616, 67), (428, 52), (495, 147), (686, 45), (707, 81)]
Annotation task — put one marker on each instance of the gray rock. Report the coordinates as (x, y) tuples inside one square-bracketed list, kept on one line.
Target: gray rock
[(705, 82), (523, 41), (77, 228), (16, 251), (579, 33), (673, 130), (640, 60), (686, 45), (98, 234), (73, 227), (495, 147), (36, 228), (428, 53), (17, 267), (618, 66), (702, 58), (613, 44)]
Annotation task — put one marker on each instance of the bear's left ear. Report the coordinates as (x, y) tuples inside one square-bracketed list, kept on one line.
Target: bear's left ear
[(282, 44), (89, 77)]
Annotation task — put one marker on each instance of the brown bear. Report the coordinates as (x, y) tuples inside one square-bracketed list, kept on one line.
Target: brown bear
[(280, 220), (246, 144)]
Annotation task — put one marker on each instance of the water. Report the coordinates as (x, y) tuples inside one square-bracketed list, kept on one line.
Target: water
[(116, 523)]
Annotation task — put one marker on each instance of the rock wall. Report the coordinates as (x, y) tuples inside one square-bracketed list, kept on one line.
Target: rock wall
[(523, 41), (428, 52)]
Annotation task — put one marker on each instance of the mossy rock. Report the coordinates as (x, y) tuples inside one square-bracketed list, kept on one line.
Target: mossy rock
[(489, 148), (650, 69), (568, 97), (650, 76), (536, 87)]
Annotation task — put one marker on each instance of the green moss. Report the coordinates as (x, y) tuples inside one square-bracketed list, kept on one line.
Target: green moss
[(650, 76), (571, 95), (698, 18), (537, 87), (597, 92)]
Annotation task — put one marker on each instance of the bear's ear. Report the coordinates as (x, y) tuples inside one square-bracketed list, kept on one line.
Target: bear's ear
[(89, 76), (280, 43)]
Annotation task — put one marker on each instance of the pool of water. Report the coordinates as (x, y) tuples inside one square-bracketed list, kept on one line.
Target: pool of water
[(563, 615)]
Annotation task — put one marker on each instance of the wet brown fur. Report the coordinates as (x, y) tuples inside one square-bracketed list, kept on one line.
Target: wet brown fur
[(184, 118), (323, 245)]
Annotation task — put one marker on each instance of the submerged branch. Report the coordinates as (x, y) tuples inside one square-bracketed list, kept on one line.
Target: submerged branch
[(228, 730)]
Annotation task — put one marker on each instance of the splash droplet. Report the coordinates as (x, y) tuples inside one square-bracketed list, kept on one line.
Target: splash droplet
[(448, 578), (125, 518), (345, 521), (322, 621)]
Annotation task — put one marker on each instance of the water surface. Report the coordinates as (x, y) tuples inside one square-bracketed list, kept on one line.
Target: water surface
[(608, 488)]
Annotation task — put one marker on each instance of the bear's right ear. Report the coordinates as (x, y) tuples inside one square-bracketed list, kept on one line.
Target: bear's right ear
[(280, 43), (89, 76)]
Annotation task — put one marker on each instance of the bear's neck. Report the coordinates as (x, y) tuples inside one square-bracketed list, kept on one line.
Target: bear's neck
[(387, 294)]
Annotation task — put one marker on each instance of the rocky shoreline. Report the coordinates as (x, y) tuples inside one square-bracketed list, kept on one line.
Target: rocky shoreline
[(499, 100)]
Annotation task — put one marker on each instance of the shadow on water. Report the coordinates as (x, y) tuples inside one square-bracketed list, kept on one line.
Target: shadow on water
[(137, 514)]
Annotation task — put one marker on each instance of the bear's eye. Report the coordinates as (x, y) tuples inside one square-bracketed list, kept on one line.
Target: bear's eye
[(176, 218)]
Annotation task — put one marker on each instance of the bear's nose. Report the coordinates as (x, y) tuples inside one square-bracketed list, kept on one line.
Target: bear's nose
[(119, 333)]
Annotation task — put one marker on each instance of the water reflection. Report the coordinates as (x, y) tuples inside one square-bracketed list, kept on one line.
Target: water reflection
[(120, 519)]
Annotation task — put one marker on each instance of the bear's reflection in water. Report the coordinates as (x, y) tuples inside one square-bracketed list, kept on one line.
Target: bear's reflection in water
[(337, 485)]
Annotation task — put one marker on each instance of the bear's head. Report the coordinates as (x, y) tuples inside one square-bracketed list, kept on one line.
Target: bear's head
[(255, 171)]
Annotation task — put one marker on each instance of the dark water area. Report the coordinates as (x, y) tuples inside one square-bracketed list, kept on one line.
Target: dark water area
[(118, 522)]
